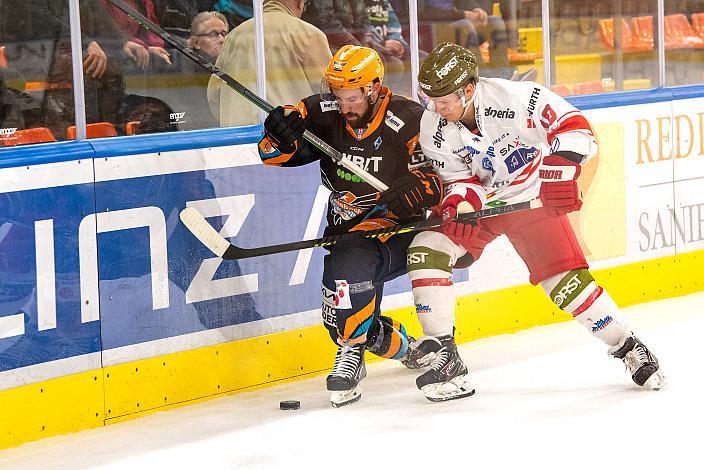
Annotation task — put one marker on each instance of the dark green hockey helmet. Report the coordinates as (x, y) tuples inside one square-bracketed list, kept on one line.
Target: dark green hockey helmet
[(447, 68)]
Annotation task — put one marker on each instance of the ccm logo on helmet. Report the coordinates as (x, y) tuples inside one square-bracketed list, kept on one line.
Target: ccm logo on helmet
[(505, 114), (447, 67)]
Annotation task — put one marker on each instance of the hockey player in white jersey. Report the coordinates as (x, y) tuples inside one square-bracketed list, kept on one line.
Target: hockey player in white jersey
[(496, 142)]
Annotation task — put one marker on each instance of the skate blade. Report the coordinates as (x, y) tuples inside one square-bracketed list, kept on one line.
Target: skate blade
[(346, 397), (655, 381), (459, 387)]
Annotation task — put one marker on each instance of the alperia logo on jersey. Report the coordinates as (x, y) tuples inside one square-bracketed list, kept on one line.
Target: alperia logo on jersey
[(447, 67), (438, 138), (505, 114)]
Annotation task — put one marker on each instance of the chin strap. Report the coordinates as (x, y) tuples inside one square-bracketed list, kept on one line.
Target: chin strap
[(466, 102)]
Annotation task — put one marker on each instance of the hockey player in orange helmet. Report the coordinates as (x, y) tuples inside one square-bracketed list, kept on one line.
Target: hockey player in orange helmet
[(378, 131), (354, 78)]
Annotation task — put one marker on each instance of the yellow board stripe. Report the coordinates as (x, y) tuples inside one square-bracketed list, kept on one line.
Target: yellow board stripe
[(126, 391)]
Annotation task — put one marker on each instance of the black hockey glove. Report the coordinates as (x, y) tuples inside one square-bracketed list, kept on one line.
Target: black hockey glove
[(412, 193), (284, 127)]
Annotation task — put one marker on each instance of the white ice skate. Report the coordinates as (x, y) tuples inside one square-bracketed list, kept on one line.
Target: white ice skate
[(347, 372)]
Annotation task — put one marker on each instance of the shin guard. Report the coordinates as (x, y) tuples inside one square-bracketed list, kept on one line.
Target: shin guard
[(576, 292), (431, 258), (391, 339)]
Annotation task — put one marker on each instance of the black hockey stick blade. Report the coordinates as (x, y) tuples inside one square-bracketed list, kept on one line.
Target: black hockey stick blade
[(221, 247), (323, 146)]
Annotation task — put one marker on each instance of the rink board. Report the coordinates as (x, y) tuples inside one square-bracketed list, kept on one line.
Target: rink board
[(110, 307)]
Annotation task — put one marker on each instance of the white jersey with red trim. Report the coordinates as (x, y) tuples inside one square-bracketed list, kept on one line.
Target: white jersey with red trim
[(518, 123)]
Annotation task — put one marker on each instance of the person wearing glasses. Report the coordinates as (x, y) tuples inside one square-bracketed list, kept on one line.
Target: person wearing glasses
[(208, 31), (296, 56), (377, 130)]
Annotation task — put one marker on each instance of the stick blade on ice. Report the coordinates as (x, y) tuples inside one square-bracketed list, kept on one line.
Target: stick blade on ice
[(205, 232)]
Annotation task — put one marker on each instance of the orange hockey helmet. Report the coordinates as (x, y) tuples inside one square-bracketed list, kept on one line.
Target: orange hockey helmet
[(354, 67)]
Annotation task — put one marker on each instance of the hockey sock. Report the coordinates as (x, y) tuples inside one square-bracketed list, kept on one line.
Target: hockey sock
[(435, 305), (576, 292), (430, 269), (391, 339)]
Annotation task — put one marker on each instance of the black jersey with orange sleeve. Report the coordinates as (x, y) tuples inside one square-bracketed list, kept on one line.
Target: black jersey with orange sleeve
[(388, 149)]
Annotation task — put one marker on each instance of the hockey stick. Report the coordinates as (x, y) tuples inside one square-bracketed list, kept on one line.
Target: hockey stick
[(242, 90), (205, 232)]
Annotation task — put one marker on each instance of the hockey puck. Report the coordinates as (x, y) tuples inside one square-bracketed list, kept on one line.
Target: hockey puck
[(289, 404)]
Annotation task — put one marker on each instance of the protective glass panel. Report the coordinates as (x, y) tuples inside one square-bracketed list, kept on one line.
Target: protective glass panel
[(603, 46), (36, 85), (138, 83), (684, 42), (504, 36)]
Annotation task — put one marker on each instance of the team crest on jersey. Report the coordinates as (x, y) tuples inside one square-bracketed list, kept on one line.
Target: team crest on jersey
[(345, 206), (393, 121), (377, 143)]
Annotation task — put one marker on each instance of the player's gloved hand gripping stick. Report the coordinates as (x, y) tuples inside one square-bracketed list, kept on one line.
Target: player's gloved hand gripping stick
[(242, 90)]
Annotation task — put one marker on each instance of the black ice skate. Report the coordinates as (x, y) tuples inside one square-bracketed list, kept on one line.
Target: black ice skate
[(422, 352), (347, 372), (640, 362), (447, 378)]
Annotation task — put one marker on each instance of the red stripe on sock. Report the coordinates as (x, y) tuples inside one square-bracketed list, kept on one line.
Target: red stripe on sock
[(588, 303), (431, 282)]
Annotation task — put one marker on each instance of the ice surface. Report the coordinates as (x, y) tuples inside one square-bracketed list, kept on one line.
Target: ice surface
[(546, 398)]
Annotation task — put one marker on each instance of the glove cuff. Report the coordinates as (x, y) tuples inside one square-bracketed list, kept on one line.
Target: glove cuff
[(557, 168)]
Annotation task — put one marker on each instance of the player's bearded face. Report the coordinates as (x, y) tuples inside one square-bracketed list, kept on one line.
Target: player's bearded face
[(354, 107)]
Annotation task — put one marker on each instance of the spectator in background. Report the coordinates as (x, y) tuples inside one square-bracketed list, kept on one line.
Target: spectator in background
[(236, 11), (101, 42), (296, 56), (142, 43), (386, 32), (492, 29), (176, 16), (343, 22), (208, 32)]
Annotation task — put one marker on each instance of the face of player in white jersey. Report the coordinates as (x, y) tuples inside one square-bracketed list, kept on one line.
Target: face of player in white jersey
[(454, 106)]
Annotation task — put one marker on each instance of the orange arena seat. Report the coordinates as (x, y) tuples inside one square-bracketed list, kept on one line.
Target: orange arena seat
[(562, 90), (698, 24), (28, 136), (93, 130), (629, 41), (132, 127), (678, 29), (3, 59), (588, 87)]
